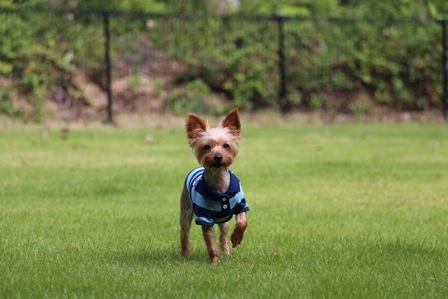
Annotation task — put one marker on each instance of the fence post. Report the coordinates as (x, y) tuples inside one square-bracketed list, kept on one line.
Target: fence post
[(106, 29), (444, 24), (281, 63)]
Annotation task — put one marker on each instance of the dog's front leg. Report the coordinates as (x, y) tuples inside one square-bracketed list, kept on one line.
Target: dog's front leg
[(238, 232), (210, 241)]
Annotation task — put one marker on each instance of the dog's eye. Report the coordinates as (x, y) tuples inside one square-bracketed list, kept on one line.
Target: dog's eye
[(207, 147), (226, 146)]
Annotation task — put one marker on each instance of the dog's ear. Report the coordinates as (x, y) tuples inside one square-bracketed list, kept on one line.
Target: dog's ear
[(232, 122), (194, 127)]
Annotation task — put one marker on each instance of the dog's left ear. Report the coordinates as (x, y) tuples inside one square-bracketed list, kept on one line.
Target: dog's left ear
[(232, 122)]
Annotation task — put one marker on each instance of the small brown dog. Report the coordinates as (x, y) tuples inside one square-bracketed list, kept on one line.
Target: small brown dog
[(212, 193)]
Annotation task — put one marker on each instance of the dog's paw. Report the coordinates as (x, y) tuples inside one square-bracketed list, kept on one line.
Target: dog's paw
[(237, 237)]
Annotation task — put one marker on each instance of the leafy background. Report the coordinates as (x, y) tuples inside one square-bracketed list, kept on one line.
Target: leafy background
[(204, 56)]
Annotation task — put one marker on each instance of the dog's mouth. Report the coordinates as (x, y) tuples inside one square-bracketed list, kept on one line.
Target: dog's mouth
[(217, 165)]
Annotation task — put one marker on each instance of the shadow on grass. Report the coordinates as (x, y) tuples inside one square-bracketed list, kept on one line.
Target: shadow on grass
[(407, 249), (355, 251), (156, 255)]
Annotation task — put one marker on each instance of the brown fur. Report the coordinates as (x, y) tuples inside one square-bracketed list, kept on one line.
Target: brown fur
[(206, 142)]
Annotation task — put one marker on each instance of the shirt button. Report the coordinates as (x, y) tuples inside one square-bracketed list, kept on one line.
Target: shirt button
[(224, 207), (223, 199)]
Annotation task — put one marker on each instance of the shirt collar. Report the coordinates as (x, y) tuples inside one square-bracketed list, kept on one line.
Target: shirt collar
[(211, 194)]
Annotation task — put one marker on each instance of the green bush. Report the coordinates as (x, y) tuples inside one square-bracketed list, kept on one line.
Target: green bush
[(192, 98), (233, 58), (397, 62), (236, 58), (39, 53)]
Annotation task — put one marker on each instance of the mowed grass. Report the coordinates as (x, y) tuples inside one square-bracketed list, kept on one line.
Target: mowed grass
[(343, 211)]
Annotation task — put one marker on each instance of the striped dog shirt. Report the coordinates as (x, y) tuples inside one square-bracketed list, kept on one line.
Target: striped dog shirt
[(211, 206)]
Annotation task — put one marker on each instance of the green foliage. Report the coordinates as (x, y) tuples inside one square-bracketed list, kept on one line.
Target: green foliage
[(397, 70), (291, 8), (23, 59), (389, 50), (238, 58), (38, 60), (438, 9), (6, 104), (132, 5), (229, 56), (192, 98)]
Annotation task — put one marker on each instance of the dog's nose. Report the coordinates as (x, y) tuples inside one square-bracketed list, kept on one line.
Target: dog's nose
[(217, 158)]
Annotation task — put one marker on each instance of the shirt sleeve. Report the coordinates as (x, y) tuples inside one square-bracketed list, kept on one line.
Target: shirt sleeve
[(241, 205)]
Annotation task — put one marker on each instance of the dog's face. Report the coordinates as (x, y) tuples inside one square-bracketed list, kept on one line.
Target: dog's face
[(214, 148)]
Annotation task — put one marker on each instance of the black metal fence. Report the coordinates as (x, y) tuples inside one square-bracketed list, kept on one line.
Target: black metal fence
[(444, 67), (142, 61)]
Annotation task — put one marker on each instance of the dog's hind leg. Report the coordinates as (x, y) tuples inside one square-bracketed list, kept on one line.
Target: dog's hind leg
[(186, 217), (224, 241)]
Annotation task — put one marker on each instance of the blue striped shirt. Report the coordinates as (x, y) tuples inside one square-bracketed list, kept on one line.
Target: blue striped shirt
[(211, 206)]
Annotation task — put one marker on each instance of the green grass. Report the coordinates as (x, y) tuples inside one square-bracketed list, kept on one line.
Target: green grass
[(344, 211)]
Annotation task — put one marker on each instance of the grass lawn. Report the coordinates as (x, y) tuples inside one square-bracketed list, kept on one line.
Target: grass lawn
[(342, 211)]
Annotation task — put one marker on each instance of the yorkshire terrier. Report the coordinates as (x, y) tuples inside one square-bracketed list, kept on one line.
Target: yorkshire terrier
[(212, 193)]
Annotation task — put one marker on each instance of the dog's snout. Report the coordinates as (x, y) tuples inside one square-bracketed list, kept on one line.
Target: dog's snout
[(217, 157)]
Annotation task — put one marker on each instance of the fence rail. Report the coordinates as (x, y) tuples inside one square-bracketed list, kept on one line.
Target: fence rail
[(251, 61)]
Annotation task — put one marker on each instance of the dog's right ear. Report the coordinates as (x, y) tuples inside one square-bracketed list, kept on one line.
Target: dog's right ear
[(194, 126)]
